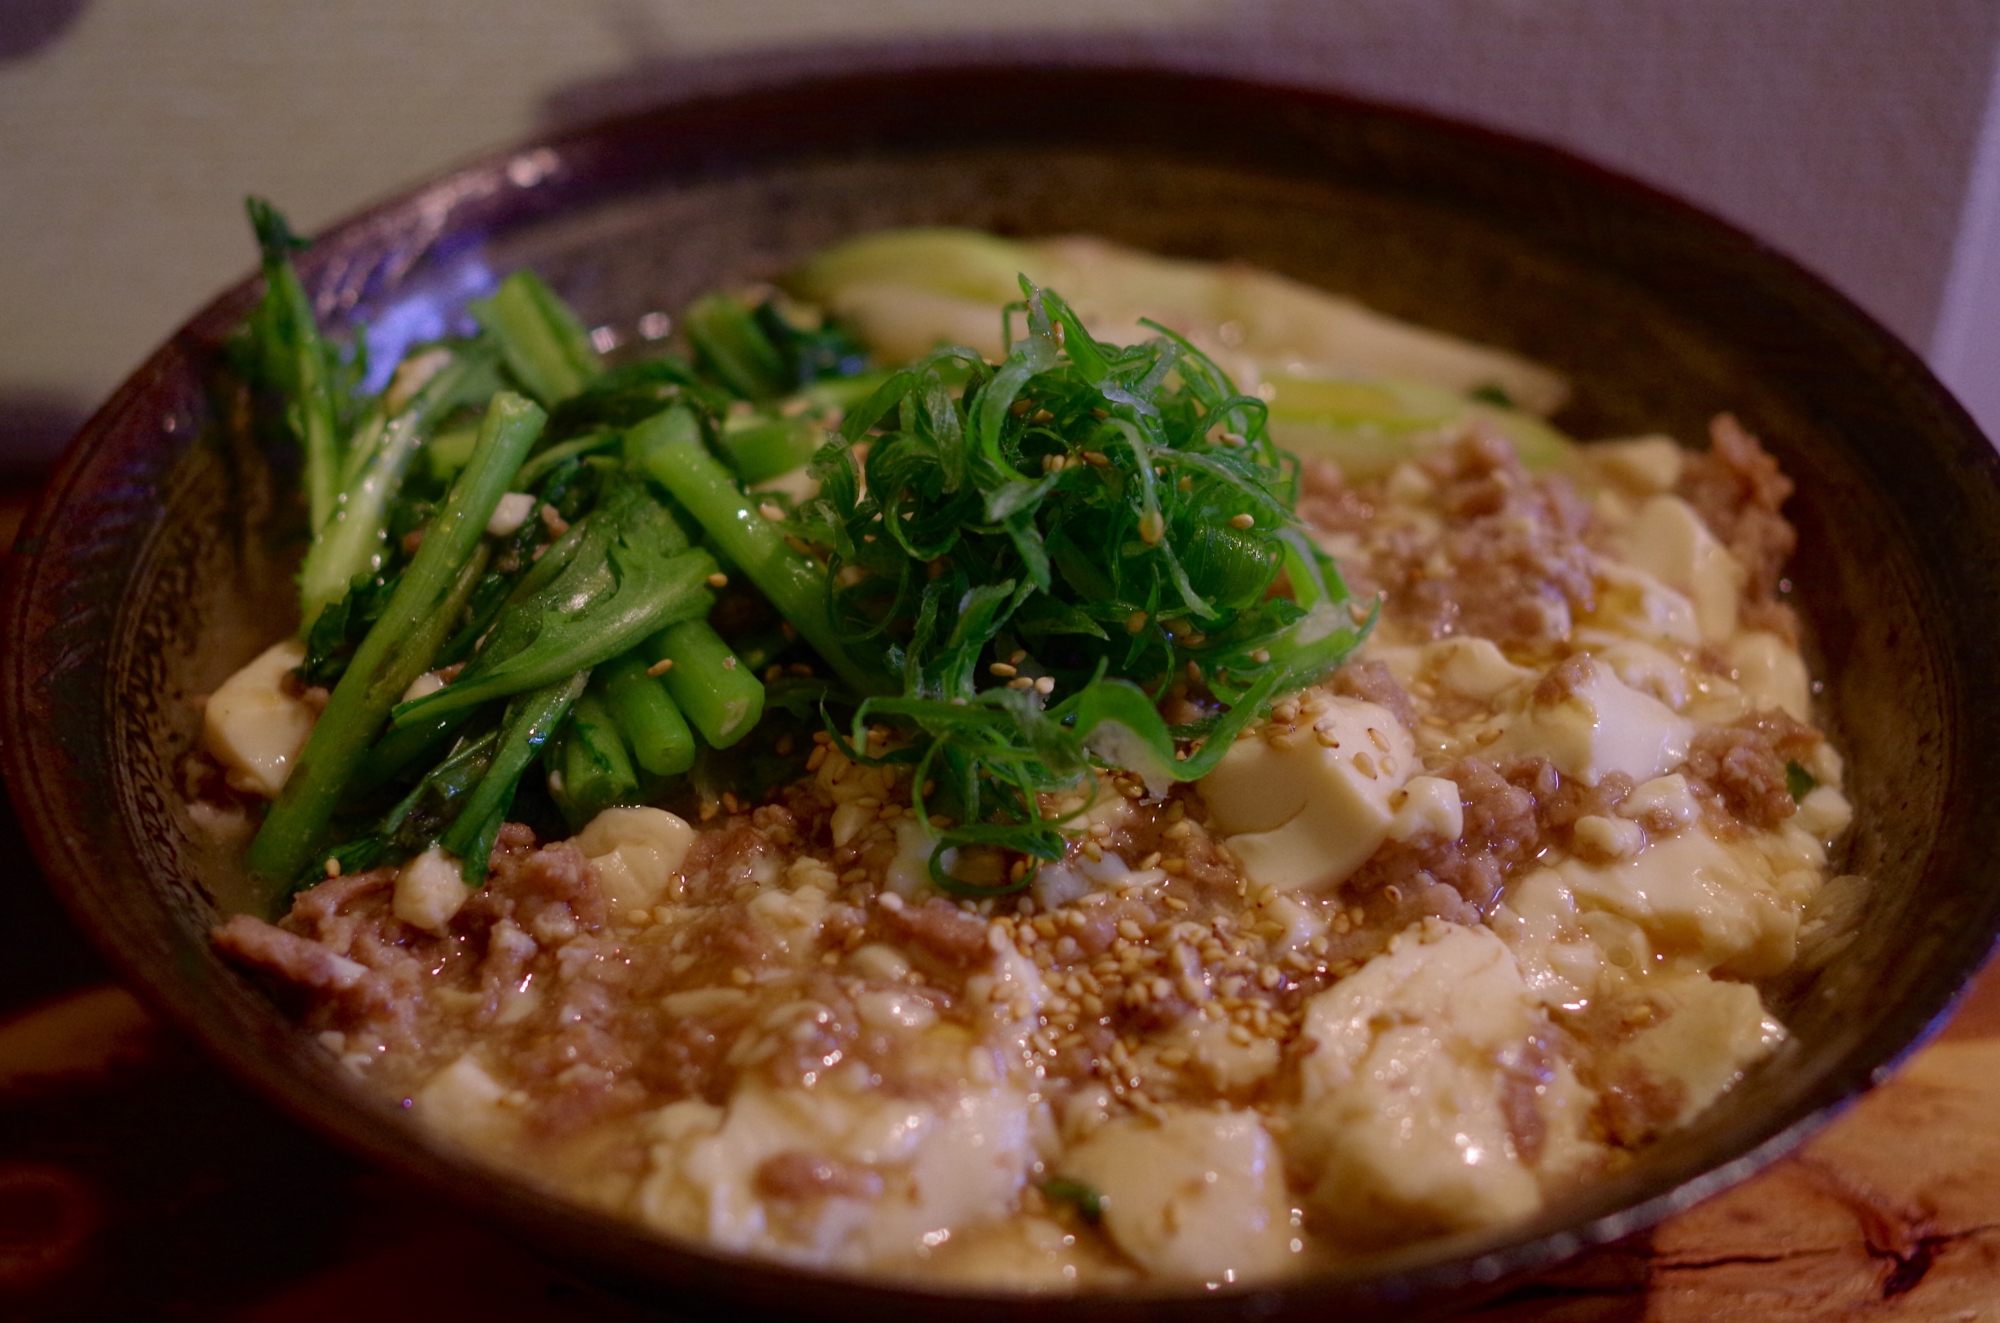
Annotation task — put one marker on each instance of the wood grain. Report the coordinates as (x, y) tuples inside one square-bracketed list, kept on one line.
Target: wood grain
[(1892, 1213)]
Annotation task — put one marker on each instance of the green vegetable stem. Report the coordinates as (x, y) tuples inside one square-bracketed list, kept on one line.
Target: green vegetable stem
[(400, 645), (546, 348), (596, 772), (646, 715), (709, 683), (530, 719), (350, 541), (295, 360), (669, 448)]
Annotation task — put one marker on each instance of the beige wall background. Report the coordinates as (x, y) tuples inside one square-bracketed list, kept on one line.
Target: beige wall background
[(1850, 133)]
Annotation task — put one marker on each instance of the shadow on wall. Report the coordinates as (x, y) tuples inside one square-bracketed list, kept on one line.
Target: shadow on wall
[(34, 427), (27, 26)]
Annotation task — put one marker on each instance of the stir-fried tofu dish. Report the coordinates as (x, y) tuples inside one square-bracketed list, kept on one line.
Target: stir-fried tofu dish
[(1022, 765)]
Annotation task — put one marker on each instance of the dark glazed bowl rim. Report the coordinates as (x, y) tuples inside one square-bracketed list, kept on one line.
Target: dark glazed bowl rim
[(736, 133)]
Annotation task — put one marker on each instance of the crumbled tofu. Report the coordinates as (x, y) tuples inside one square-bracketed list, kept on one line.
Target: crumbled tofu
[(1013, 990), (1197, 1196), (1402, 1115), (636, 852), (1602, 725), (1703, 1036), (1636, 604), (429, 890), (1696, 898), (1615, 838), (253, 727), (1297, 924), (893, 1009), (1430, 806), (1825, 813), (931, 1170), (509, 513), (972, 1170), (1562, 965), (877, 960), (463, 1101), (1645, 464), (1771, 673), (909, 873), (1434, 971), (703, 1176), (1648, 669), (1228, 1063), (1473, 667), (793, 918), (1668, 539), (1058, 884), (1306, 809), (1665, 797)]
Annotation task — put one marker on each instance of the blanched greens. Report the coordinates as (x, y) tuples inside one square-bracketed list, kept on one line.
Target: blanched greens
[(522, 556)]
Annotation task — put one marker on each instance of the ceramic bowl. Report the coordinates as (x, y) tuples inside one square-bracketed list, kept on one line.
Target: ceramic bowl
[(160, 557)]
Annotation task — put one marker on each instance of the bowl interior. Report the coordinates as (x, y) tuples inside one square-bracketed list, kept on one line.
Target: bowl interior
[(161, 559)]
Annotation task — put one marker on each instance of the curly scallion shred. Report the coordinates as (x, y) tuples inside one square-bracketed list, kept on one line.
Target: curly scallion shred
[(1040, 549)]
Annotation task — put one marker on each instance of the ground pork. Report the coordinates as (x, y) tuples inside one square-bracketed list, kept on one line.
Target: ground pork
[(1743, 765), (1504, 828), (1511, 562), (1371, 682), (795, 1174), (1737, 488), (941, 928)]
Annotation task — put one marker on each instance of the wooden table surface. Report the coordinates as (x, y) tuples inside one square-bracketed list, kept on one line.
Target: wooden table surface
[(136, 1182)]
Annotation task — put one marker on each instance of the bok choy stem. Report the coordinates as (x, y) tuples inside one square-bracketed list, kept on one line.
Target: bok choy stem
[(596, 771)]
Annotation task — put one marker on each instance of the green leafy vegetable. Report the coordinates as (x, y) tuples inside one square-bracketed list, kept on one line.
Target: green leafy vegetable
[(546, 348), (1799, 781), (1040, 555), (1082, 1196), (625, 579), (595, 771), (288, 355), (529, 721), (1013, 564), (399, 646), (729, 343), (350, 541)]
